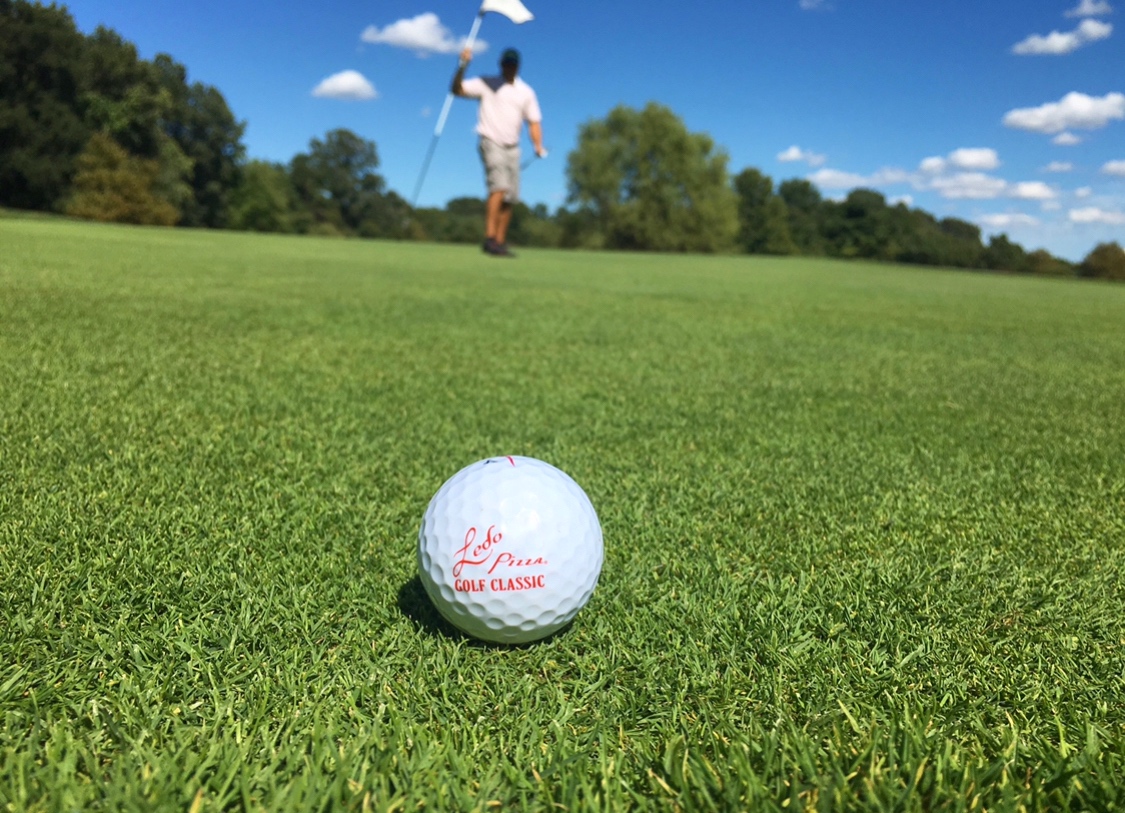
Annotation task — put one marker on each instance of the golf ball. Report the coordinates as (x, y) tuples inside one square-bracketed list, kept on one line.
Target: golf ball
[(510, 549)]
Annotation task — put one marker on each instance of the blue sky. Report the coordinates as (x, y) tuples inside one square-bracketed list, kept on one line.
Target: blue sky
[(1007, 113)]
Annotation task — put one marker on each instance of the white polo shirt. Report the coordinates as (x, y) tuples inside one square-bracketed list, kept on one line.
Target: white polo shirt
[(503, 107)]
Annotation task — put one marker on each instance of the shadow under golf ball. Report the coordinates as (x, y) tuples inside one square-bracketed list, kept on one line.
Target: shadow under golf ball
[(416, 605)]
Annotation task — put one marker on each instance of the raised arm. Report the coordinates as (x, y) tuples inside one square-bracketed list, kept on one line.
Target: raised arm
[(466, 58)]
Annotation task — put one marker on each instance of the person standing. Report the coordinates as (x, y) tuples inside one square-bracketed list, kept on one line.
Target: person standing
[(506, 102)]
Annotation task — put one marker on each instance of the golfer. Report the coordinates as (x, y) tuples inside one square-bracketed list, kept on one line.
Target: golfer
[(506, 102)]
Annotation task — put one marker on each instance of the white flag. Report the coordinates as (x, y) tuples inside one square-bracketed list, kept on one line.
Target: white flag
[(514, 10)]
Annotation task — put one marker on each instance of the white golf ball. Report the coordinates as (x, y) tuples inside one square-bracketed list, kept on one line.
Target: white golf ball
[(510, 549)]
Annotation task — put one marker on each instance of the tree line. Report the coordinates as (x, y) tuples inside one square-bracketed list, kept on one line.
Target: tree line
[(89, 129)]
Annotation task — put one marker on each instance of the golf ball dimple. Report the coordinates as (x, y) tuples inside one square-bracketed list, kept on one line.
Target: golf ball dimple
[(510, 549)]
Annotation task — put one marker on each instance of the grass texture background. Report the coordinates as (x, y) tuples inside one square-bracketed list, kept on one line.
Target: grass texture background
[(864, 529)]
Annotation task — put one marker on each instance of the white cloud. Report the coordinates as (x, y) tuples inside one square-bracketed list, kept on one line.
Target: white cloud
[(1083, 192), (974, 158), (1091, 8), (423, 34), (934, 165), (1116, 168), (795, 153), (1050, 206), (1095, 215), (809, 5), (1008, 221), (1058, 43), (1032, 190), (1066, 140), (348, 85), (969, 185), (1074, 110), (905, 200), (836, 179), (890, 175), (1059, 166), (966, 158)]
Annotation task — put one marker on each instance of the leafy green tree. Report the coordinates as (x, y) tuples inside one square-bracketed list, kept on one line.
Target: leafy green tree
[(338, 190), (113, 186), (42, 131), (964, 247), (1043, 262), (534, 226), (803, 204), (459, 222), (58, 87), (387, 215), (1004, 255), (763, 217), (651, 184), (1106, 261), (198, 119), (467, 207), (123, 98), (336, 183), (121, 94), (579, 228), (860, 226), (173, 180), (264, 199), (923, 241), (921, 238)]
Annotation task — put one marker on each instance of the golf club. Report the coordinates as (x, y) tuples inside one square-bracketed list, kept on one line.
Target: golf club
[(535, 157)]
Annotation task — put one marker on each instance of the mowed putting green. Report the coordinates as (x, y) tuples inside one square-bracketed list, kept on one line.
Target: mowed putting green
[(865, 529)]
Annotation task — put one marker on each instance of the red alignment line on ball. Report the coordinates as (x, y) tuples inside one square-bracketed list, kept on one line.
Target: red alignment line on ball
[(511, 460)]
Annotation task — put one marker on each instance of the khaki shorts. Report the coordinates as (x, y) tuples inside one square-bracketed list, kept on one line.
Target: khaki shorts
[(501, 168)]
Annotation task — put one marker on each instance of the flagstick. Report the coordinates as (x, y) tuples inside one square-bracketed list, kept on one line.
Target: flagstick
[(444, 114)]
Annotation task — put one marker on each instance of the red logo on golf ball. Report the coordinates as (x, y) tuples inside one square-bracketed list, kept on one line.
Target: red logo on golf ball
[(485, 556)]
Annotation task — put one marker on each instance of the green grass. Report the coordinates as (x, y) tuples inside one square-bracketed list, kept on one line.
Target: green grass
[(864, 529)]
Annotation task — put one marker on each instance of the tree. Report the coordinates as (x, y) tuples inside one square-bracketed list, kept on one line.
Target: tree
[(1004, 255), (173, 180), (803, 205), (331, 178), (113, 186), (387, 215), (652, 185), (462, 218), (263, 200), (962, 245), (860, 226), (579, 228), (1043, 262), (58, 87), (42, 131), (123, 98), (763, 218), (459, 222), (534, 226), (121, 94), (338, 190), (198, 119), (1106, 261)]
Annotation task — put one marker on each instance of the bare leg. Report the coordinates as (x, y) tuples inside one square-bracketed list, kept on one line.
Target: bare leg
[(503, 221), (493, 216)]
